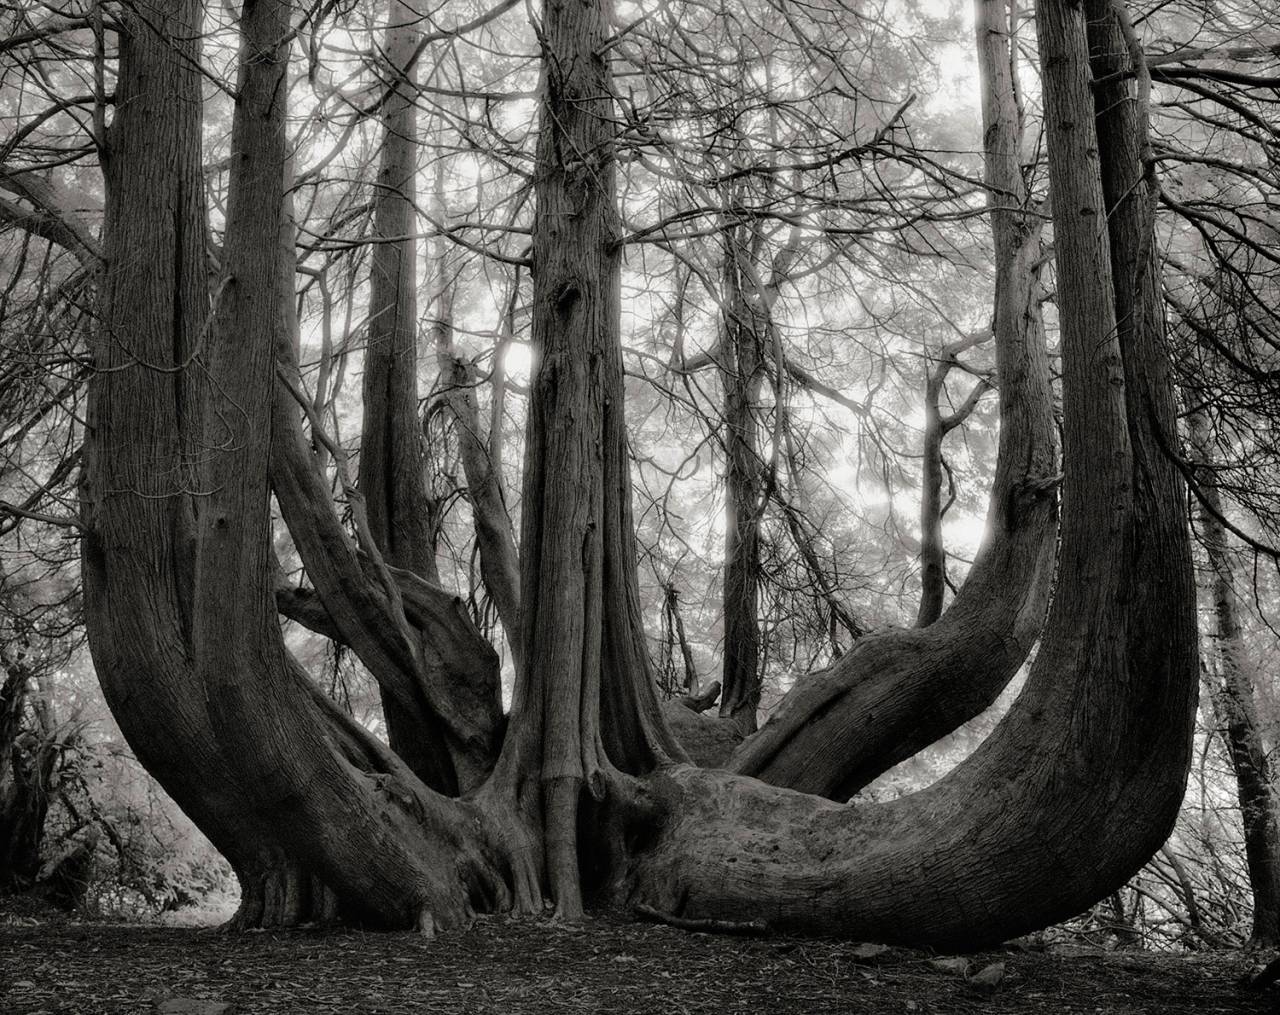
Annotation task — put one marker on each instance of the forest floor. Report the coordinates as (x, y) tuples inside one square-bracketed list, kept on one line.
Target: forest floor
[(526, 967)]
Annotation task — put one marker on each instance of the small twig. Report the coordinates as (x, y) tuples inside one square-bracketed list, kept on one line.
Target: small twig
[(749, 928)]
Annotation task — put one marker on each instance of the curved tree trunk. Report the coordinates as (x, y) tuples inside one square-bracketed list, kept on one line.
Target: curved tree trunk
[(896, 692), (1073, 792), (176, 553), (417, 641), (495, 539), (142, 447), (1080, 783)]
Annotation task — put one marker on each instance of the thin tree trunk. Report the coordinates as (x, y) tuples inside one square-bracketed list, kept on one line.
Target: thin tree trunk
[(392, 475), (495, 539), (741, 365), (24, 797), (1236, 708)]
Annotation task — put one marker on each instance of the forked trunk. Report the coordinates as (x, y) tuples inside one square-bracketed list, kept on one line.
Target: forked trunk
[(937, 424), (177, 553), (143, 443)]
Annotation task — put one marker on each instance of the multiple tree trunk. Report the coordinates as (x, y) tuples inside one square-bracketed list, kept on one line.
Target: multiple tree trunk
[(1070, 795)]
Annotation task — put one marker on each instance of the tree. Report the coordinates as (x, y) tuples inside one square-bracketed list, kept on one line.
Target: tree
[(901, 690), (193, 423), (1233, 700), (933, 554)]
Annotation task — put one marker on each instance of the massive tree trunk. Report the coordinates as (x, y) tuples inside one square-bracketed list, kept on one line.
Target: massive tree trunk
[(585, 709), (175, 498), (896, 692), (1081, 782), (143, 444)]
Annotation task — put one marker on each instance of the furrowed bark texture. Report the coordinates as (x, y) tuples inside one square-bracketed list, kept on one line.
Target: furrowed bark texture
[(177, 556), (1079, 785), (392, 474), (896, 692), (585, 706), (143, 446)]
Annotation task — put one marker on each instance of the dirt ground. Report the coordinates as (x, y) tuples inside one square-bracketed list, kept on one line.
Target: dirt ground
[(524, 966)]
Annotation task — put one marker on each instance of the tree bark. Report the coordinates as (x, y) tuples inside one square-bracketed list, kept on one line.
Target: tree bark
[(896, 692), (740, 365), (26, 772), (495, 539), (418, 641), (585, 710), (1076, 788), (1079, 785), (176, 555), (140, 479), (392, 477), (933, 470)]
